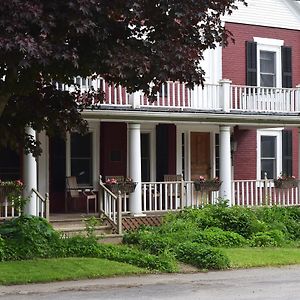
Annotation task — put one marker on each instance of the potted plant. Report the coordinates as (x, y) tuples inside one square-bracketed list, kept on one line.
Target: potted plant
[(285, 182), (124, 186), (10, 190), (207, 185)]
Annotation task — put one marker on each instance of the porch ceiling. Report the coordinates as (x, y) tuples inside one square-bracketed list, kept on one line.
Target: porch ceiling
[(211, 117)]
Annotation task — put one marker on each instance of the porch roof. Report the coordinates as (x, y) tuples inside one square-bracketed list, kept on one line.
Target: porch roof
[(193, 116)]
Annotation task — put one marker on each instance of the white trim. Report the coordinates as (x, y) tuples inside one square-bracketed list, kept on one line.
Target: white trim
[(270, 132), (268, 42), (43, 164)]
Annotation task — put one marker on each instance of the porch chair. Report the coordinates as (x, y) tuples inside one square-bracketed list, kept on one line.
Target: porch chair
[(77, 193)]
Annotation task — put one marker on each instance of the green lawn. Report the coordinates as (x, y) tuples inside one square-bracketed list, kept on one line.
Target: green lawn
[(262, 257), (46, 270)]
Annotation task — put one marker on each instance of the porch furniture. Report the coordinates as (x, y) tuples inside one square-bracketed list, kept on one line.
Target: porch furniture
[(76, 193)]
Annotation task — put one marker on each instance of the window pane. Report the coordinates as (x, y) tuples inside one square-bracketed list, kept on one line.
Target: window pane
[(81, 158), (267, 62), (81, 145), (267, 80), (82, 169), (268, 166), (268, 146)]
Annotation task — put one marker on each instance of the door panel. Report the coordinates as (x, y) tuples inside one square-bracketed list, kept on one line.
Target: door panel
[(200, 155)]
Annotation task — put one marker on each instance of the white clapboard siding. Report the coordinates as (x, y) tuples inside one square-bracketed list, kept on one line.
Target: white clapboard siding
[(271, 13)]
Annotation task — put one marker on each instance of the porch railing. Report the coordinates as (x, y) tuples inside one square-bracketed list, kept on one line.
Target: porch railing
[(7, 210), (111, 205), (42, 204), (264, 99), (262, 192), (175, 95)]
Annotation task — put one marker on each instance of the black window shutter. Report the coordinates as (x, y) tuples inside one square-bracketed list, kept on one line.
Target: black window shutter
[(251, 63), (287, 152), (286, 62)]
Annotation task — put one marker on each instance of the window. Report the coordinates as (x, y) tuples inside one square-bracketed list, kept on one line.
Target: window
[(267, 69), (217, 149), (145, 156), (269, 63), (269, 153), (268, 156), (81, 158), (9, 165)]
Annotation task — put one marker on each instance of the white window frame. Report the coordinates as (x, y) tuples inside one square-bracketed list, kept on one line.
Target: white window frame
[(94, 129), (275, 132), (271, 45)]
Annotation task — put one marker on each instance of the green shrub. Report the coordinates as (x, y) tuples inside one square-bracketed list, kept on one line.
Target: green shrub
[(200, 256), (164, 262), (272, 238), (2, 249), (28, 237), (217, 237)]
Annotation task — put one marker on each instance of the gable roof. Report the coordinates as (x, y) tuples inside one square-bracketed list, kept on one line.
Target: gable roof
[(270, 13)]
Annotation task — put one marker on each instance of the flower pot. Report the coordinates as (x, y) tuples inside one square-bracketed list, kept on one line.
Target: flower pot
[(206, 186), (123, 187), (285, 184)]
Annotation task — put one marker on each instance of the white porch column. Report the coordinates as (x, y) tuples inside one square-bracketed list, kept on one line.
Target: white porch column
[(225, 163), (30, 178), (135, 198), (135, 99), (225, 94)]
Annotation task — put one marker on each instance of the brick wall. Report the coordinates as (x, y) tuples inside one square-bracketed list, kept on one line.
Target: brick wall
[(234, 56), (234, 68), (244, 158)]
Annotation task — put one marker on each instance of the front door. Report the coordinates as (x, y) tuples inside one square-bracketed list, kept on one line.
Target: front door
[(200, 155)]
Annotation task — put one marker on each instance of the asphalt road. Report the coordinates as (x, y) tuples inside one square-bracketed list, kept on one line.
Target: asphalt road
[(265, 283)]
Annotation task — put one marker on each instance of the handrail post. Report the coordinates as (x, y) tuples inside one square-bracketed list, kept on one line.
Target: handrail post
[(225, 94), (266, 202), (119, 213), (100, 196), (47, 207), (135, 99), (182, 193)]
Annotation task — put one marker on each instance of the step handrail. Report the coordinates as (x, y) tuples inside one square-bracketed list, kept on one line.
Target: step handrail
[(118, 200), (45, 201)]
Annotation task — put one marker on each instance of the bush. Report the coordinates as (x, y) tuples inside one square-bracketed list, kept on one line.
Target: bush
[(200, 256), (2, 249), (272, 238), (164, 262), (217, 237), (28, 237)]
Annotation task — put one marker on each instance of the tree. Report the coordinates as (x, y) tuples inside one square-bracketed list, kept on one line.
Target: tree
[(132, 43)]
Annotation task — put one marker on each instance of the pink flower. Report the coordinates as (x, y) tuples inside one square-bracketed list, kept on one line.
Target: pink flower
[(201, 178), (19, 182)]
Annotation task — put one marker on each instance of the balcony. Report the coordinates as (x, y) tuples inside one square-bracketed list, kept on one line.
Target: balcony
[(174, 96)]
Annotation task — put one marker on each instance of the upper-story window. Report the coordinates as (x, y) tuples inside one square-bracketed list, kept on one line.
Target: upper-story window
[(267, 68), (269, 63)]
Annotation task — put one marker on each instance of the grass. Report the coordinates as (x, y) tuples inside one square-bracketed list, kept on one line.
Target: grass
[(47, 270), (262, 257)]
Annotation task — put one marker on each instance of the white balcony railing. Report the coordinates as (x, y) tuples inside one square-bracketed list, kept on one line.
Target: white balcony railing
[(211, 97), (259, 99)]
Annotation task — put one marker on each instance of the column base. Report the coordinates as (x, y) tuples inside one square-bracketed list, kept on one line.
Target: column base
[(138, 215)]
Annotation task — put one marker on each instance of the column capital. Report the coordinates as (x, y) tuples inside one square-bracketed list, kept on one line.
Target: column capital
[(133, 126), (225, 128)]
